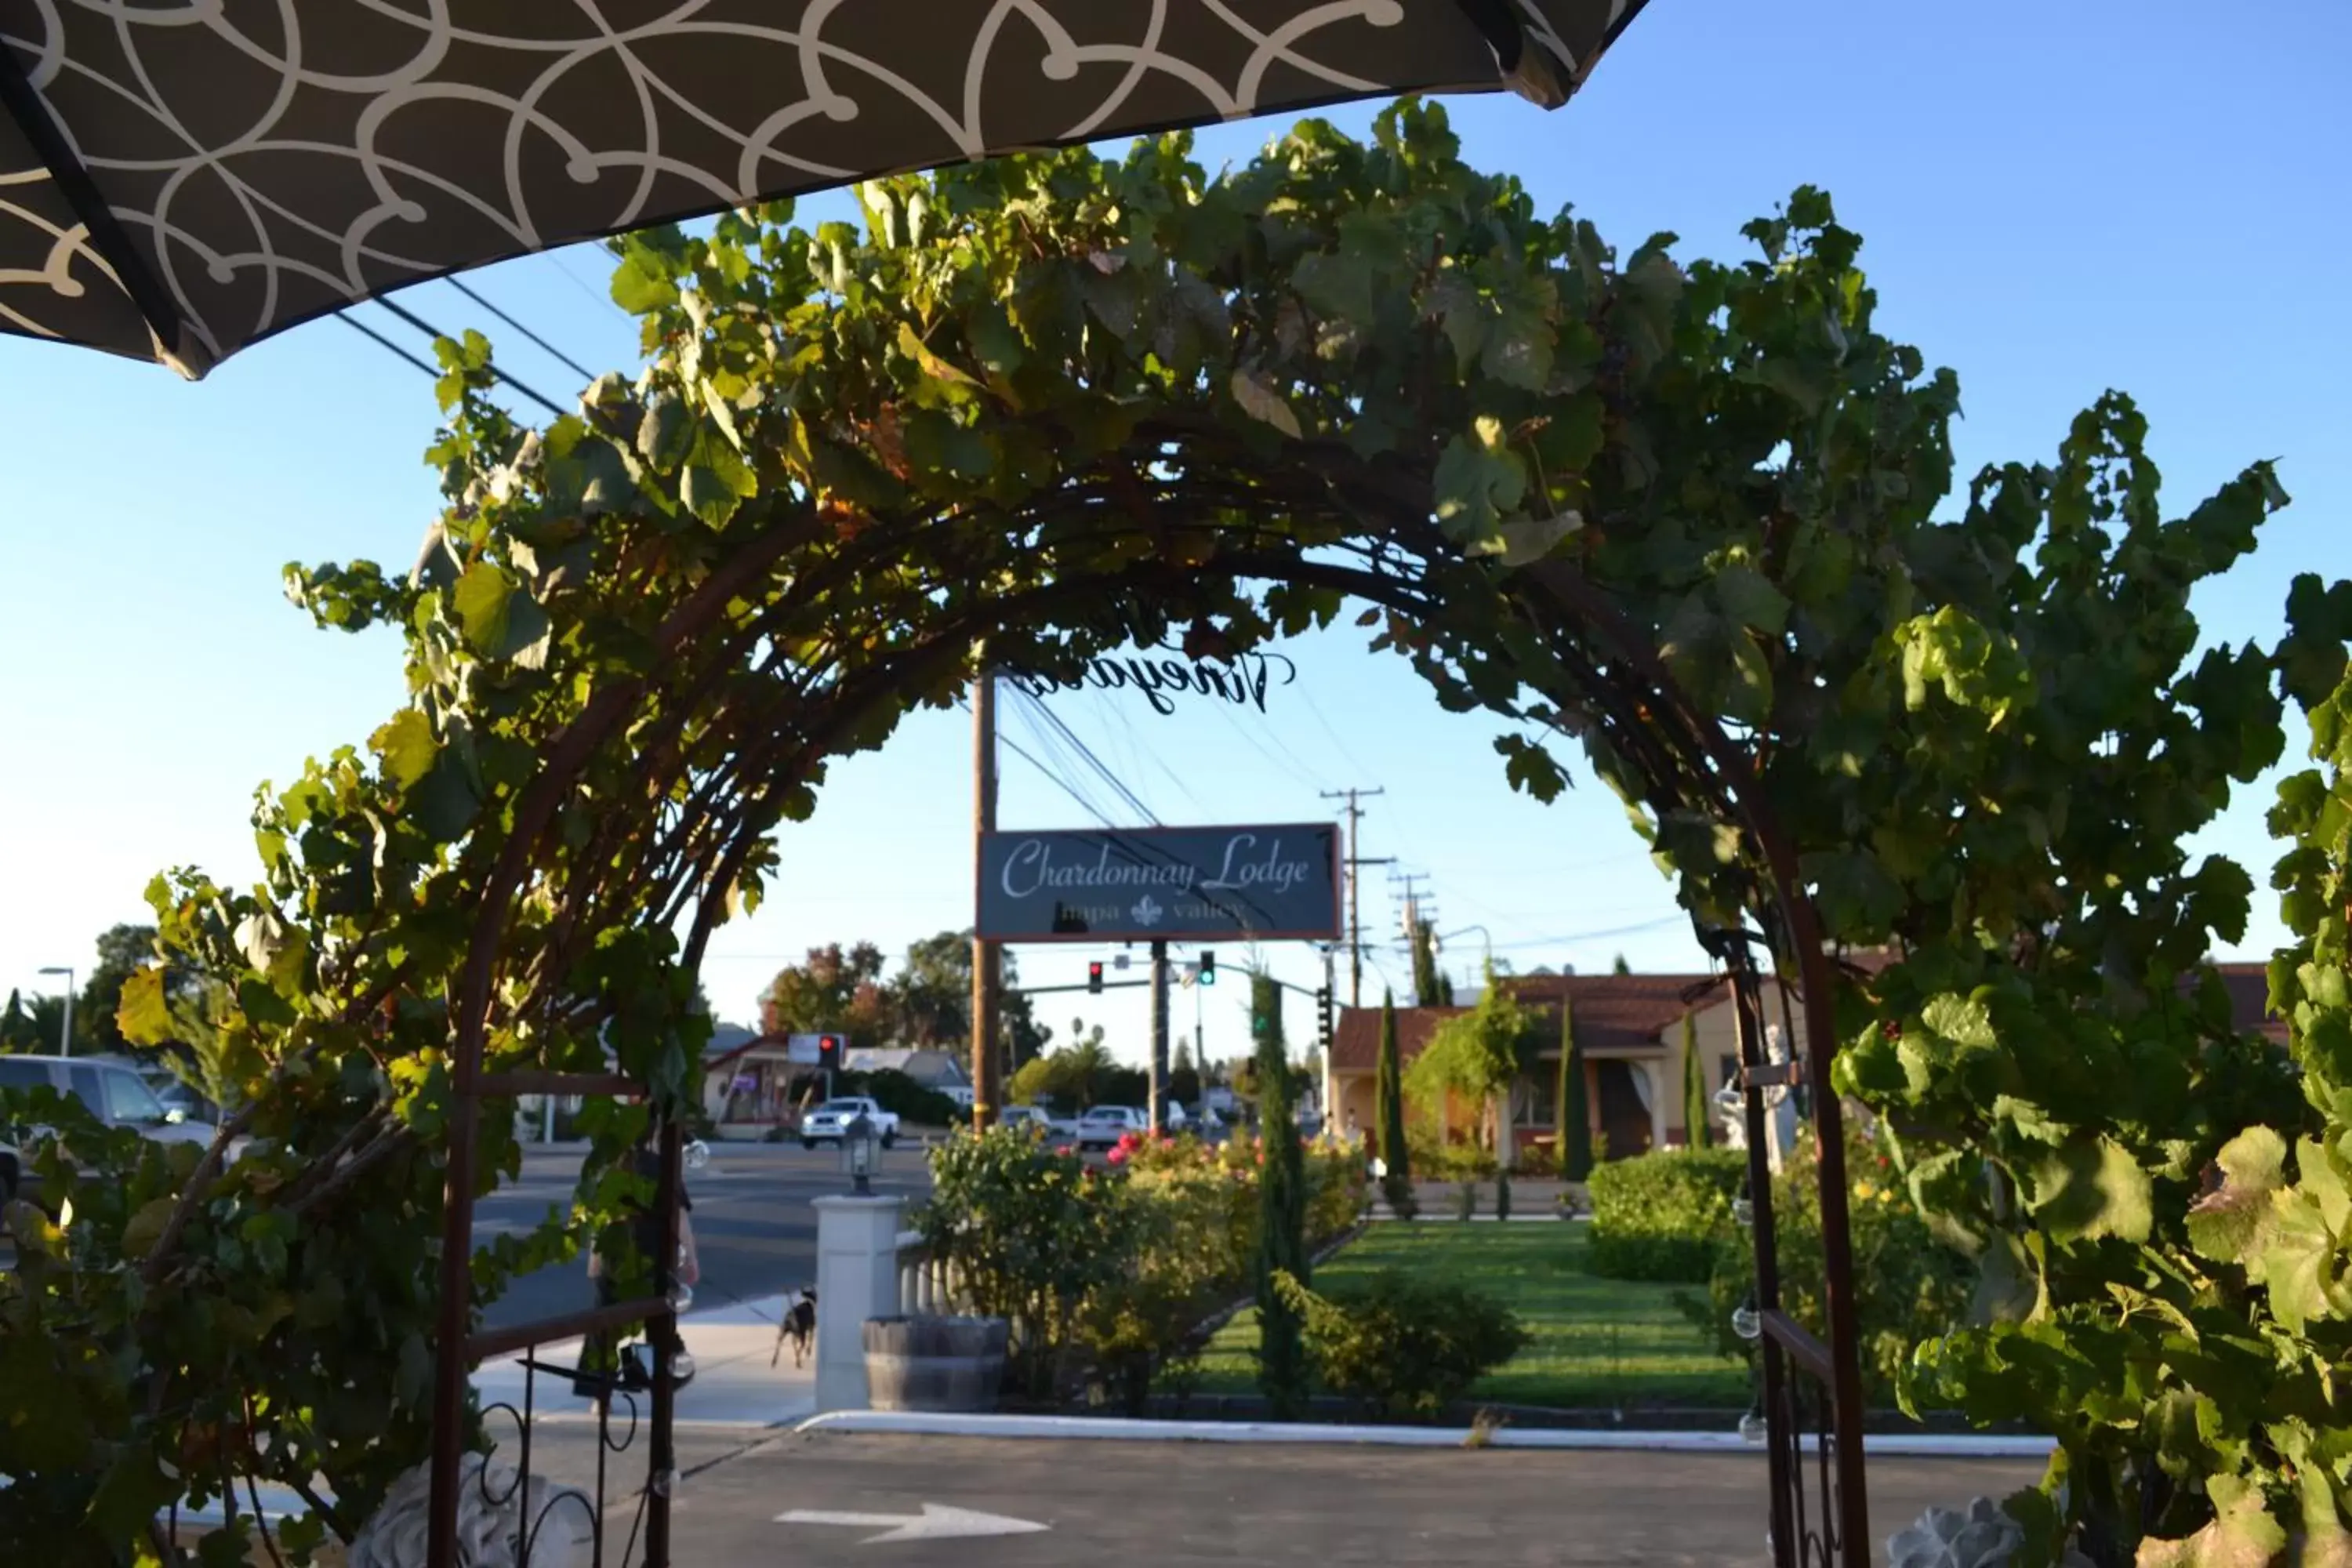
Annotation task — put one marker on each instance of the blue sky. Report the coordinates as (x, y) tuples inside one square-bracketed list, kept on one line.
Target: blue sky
[(2056, 200)]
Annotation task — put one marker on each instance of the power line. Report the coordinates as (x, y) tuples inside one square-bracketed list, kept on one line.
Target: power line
[(1089, 806), (545, 347), (384, 342), (430, 331), (575, 279), (1037, 707), (1070, 775)]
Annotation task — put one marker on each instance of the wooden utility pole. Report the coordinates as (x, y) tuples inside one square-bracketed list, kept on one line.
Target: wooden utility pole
[(987, 1061), (1355, 901)]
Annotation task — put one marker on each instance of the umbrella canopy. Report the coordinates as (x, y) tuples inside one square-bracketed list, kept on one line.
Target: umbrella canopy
[(178, 180)]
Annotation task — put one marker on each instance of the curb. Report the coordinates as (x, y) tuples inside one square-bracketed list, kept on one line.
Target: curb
[(908, 1423)]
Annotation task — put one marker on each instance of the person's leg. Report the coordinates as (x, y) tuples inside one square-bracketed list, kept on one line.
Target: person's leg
[(596, 1351)]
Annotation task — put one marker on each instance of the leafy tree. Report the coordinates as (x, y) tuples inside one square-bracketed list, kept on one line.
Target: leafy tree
[(34, 1027), (1078, 1075), (1476, 1058), (1618, 966), (1698, 1111), (928, 1003), (1574, 1117), (1388, 1115), (1432, 987), (1282, 1372), (20, 1029), (122, 951), (830, 990)]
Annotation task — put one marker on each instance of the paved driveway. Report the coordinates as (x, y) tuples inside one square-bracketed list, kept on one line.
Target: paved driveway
[(927, 1502)]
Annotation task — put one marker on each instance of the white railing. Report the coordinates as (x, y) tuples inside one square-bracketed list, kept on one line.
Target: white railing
[(926, 1284)]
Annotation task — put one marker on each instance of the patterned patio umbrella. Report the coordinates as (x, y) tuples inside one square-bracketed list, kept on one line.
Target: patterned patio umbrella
[(180, 178)]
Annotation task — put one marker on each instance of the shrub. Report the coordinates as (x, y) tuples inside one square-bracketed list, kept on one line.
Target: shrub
[(1403, 1344), (1108, 1276), (1437, 1158), (1030, 1234), (904, 1097), (1662, 1215), (1915, 1287)]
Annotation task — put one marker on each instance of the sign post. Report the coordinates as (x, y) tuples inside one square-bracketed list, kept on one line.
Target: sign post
[(1159, 1089)]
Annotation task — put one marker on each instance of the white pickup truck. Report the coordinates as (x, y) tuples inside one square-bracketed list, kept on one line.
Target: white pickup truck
[(829, 1122), (1104, 1126)]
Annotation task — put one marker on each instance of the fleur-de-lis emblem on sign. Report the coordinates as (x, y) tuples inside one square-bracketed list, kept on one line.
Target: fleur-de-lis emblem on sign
[(1146, 912)]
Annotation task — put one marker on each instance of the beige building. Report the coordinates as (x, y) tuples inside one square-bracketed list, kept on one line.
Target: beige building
[(1629, 1027)]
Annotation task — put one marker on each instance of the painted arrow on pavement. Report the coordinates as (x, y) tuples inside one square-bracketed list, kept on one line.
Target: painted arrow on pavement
[(936, 1522)]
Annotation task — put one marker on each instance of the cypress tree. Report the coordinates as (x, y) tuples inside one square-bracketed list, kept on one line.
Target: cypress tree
[(1282, 1211), (1699, 1127), (1575, 1117), (1388, 1087)]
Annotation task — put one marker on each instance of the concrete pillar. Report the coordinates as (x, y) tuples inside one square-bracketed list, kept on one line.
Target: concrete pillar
[(857, 1278)]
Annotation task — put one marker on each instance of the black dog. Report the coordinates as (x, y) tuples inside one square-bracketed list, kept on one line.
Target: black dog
[(799, 1326)]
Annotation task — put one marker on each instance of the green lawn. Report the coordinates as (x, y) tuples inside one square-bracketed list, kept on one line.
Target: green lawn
[(1596, 1342)]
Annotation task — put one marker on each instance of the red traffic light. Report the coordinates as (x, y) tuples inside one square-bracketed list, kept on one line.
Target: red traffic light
[(1094, 976), (828, 1046)]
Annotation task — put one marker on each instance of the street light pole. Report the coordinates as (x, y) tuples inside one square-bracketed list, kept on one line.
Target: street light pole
[(1484, 932), (65, 1027)]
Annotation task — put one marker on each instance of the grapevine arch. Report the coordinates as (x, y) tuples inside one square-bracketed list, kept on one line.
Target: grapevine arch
[(1678, 515), (766, 743), (995, 474)]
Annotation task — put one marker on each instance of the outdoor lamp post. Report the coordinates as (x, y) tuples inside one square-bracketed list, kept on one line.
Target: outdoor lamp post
[(65, 1027), (861, 1151)]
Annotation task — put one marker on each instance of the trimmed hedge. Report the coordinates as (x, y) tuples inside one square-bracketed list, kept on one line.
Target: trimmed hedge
[(1660, 1215)]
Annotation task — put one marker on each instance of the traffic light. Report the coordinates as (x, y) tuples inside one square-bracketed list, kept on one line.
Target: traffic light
[(1094, 976), (1208, 967), (1323, 1018), (828, 1052)]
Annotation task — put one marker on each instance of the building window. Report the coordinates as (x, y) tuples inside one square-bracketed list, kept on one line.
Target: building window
[(1534, 1098)]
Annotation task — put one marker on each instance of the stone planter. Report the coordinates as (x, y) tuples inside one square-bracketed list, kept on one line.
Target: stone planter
[(951, 1365)]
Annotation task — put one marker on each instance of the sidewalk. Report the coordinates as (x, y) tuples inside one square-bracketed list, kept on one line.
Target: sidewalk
[(733, 1385)]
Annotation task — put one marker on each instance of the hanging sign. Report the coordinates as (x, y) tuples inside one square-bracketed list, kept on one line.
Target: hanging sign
[(1257, 883), (1161, 675)]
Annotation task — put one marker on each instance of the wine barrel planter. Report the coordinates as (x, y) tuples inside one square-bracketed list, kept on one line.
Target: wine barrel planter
[(951, 1365)]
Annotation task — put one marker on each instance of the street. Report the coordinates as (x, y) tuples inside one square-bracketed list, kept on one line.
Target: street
[(753, 1224), (818, 1500)]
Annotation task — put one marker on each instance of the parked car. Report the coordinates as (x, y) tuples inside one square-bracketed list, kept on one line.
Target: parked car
[(110, 1090), (829, 1122), (1104, 1125), (1028, 1118)]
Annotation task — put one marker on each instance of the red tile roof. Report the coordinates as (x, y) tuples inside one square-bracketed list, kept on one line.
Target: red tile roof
[(1617, 1012), (1614, 1012)]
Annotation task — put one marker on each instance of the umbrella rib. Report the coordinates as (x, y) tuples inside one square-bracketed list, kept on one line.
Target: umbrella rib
[(106, 235)]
